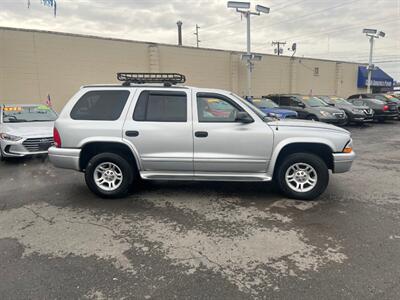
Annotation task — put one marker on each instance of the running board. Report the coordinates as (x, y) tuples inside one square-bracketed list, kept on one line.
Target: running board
[(150, 175)]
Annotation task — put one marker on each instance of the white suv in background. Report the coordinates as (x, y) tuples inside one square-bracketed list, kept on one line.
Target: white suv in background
[(152, 128)]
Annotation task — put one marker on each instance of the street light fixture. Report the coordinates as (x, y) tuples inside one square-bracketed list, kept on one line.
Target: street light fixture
[(372, 34), (236, 4), (244, 9)]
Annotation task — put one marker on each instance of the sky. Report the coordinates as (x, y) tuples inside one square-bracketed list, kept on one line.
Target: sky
[(321, 28)]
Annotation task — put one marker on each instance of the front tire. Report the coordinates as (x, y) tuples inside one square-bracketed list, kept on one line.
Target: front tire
[(302, 176), (109, 175), (312, 118)]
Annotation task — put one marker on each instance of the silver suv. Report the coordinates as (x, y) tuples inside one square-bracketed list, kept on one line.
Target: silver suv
[(151, 128)]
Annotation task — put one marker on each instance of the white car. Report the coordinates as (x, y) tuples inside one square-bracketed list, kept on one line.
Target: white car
[(25, 129)]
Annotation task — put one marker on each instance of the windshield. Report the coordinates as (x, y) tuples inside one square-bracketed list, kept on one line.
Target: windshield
[(340, 100), (265, 103), (384, 98), (314, 101), (34, 113), (251, 106), (326, 99)]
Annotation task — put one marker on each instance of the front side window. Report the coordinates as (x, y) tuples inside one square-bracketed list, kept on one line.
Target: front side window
[(212, 108), (163, 106), (286, 101), (100, 105), (31, 113)]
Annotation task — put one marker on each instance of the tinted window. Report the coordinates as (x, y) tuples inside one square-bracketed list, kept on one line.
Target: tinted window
[(100, 105), (211, 108), (285, 101), (161, 107)]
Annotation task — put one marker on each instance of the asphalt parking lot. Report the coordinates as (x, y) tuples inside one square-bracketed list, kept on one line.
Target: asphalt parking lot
[(204, 240)]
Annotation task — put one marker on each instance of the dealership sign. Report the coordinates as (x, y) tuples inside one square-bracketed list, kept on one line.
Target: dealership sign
[(378, 78)]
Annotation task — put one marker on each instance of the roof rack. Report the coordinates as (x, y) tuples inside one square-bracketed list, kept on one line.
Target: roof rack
[(167, 79)]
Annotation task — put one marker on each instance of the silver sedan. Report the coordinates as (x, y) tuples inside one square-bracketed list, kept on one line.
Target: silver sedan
[(25, 129)]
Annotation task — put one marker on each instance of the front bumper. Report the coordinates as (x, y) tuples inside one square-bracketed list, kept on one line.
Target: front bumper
[(342, 161), (24, 147), (335, 121), (66, 158)]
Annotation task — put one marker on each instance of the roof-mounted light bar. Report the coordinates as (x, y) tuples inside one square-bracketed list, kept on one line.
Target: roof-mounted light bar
[(167, 79)]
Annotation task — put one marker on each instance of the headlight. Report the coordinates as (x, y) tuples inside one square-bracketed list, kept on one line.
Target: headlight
[(9, 137), (325, 113), (357, 111)]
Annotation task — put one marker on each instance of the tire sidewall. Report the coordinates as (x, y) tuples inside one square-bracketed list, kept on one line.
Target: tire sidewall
[(126, 169), (316, 162)]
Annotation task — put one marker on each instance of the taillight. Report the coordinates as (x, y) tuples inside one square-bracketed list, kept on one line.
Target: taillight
[(57, 138), (385, 108)]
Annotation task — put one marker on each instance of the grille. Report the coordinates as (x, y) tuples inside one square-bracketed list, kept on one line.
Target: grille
[(339, 115), (368, 112), (38, 144)]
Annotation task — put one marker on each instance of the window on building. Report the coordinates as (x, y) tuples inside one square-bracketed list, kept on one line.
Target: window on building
[(161, 106), (100, 105), (316, 71)]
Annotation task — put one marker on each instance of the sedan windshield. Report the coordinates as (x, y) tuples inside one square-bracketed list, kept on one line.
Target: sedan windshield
[(340, 100), (314, 101), (34, 113), (265, 103)]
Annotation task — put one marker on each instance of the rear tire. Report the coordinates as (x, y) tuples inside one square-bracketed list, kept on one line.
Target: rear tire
[(302, 176), (109, 175)]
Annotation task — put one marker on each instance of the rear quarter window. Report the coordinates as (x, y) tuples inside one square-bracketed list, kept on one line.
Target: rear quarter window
[(100, 105)]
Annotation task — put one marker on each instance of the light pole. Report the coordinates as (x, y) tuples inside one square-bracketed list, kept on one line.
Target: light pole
[(372, 34), (244, 9)]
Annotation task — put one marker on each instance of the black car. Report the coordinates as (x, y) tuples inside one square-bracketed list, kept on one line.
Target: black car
[(310, 108), (382, 110), (355, 114)]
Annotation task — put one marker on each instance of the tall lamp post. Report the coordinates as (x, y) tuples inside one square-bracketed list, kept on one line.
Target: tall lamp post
[(244, 9), (372, 34)]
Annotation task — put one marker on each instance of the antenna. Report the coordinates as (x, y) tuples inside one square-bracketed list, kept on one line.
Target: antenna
[(197, 35)]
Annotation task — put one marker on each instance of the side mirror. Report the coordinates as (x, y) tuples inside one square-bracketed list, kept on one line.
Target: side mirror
[(243, 117)]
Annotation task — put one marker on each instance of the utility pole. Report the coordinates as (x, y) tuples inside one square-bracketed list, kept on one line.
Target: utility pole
[(278, 50), (372, 34), (179, 23), (244, 9), (197, 35)]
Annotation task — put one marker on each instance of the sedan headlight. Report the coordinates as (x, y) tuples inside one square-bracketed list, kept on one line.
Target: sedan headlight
[(9, 137), (325, 113), (357, 111)]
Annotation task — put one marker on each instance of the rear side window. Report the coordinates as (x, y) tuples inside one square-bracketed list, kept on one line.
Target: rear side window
[(285, 101), (100, 105), (154, 106)]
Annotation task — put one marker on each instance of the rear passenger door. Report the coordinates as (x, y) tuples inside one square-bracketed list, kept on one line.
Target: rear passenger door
[(159, 126)]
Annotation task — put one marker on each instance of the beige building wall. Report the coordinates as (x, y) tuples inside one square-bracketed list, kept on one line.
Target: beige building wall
[(34, 64)]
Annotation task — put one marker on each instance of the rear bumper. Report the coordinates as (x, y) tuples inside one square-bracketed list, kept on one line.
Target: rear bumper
[(342, 162), (66, 158)]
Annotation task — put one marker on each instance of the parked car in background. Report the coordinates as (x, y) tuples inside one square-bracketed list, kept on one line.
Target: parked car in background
[(382, 110), (310, 108), (355, 114), (117, 133), (270, 107), (25, 130), (380, 96)]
